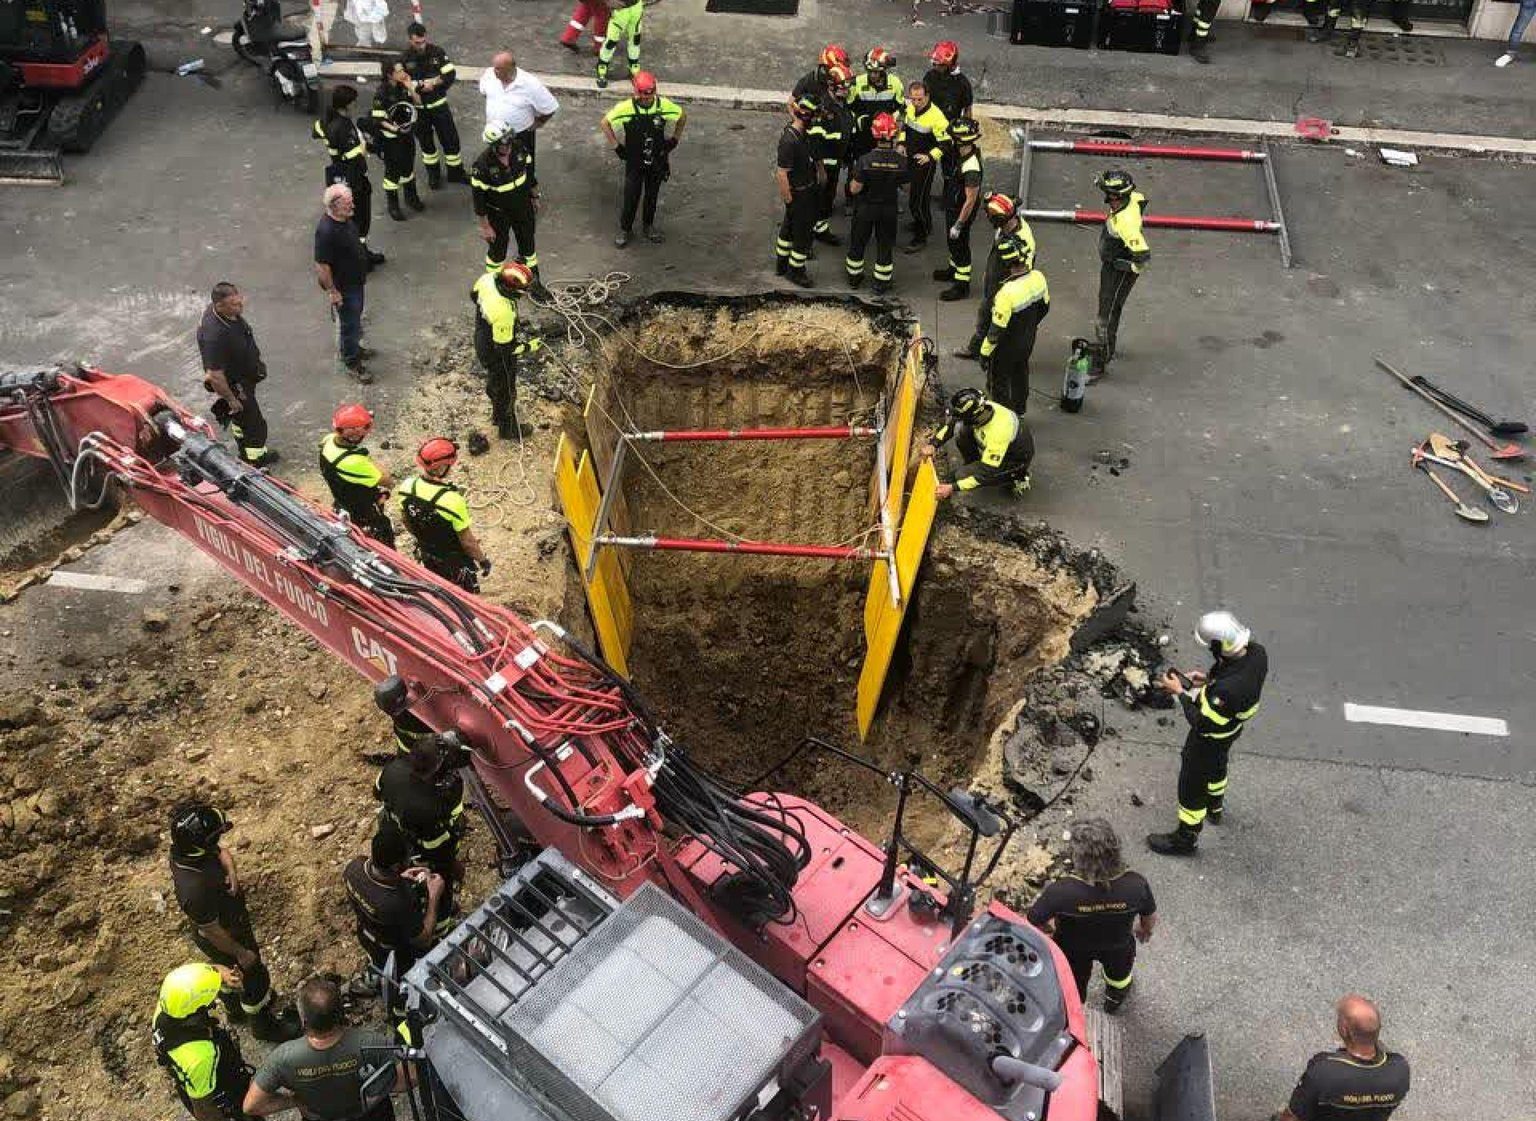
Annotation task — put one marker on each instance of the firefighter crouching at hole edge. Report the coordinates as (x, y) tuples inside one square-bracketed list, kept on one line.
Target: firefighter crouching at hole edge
[(421, 797), (1360, 1081), (505, 200), (432, 76), (831, 140), (875, 91), (993, 440), (207, 1070), (1123, 253), (797, 175), (962, 199), (1217, 706), (208, 891), (1021, 302), (395, 904), (1098, 911), (359, 486), (646, 150), (1003, 213), (497, 345), (437, 515), (874, 182), (396, 114)]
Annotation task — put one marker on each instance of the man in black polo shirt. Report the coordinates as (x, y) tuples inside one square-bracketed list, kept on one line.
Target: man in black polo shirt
[(396, 905), (422, 796), (1357, 1082), (341, 267), (232, 367), (796, 174), (208, 892), (1098, 911)]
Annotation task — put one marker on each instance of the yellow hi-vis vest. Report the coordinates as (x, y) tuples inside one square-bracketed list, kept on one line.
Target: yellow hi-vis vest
[(497, 310)]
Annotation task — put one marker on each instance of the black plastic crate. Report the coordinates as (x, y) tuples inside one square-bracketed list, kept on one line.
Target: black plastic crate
[(1053, 23), (1142, 32)]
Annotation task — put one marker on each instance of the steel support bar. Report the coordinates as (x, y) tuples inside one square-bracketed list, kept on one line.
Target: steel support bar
[(1161, 221), (755, 548), (610, 487), (704, 435), (1024, 153), (1278, 214), (1150, 151), (882, 495)]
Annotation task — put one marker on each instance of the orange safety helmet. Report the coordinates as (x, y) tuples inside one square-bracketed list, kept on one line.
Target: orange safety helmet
[(1000, 207), (351, 418), (839, 74), (645, 82), (883, 127), (437, 454), (514, 276), (945, 53), (833, 55), (878, 58)]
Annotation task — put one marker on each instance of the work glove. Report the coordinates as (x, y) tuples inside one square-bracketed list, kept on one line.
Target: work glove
[(485, 567), (620, 151), (955, 231), (671, 143), (533, 346)]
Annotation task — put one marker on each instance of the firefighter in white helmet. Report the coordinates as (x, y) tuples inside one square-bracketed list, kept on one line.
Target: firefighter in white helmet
[(1217, 705)]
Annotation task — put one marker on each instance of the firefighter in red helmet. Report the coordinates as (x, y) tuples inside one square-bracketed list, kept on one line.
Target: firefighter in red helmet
[(874, 182), (437, 514), (950, 90), (815, 81), (359, 486), (499, 343), (643, 131)]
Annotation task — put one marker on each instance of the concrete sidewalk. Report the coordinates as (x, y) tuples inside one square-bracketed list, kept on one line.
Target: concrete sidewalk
[(1260, 73)]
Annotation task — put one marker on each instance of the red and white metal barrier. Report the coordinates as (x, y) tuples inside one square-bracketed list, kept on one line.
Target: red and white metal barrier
[(705, 435), (754, 548), (1149, 151), (1162, 221)]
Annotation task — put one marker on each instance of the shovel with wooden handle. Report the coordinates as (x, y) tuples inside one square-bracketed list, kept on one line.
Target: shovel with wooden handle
[(1442, 445), (1496, 450), (1463, 511), (1500, 498)]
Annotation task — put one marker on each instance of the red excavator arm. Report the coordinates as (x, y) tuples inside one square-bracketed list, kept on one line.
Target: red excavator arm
[(924, 1008)]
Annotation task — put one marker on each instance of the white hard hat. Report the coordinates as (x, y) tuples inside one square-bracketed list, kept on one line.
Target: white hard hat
[(1223, 630)]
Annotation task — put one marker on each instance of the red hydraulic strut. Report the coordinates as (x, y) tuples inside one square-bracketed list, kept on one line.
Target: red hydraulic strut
[(1150, 151), (756, 548), (1164, 221), (701, 435)]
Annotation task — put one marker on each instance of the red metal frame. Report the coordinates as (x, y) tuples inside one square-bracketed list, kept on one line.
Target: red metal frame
[(1125, 148), (1160, 221), (753, 548), (706, 435), (519, 690)]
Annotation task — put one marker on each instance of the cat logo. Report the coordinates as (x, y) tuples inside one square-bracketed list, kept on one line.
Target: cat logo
[(371, 652)]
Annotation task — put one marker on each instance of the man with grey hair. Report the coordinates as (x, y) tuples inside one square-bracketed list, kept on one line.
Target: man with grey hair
[(341, 268), (1098, 911), (1359, 1081)]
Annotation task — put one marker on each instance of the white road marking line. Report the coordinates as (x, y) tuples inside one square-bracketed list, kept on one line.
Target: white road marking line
[(1413, 718), (92, 582)]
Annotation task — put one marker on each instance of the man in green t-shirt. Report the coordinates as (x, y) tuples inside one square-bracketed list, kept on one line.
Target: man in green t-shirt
[(322, 1073)]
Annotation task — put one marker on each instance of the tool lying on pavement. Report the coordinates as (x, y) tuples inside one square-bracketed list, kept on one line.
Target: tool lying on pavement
[(1500, 498), (1496, 450), (1463, 511), (1504, 428), (1442, 445)]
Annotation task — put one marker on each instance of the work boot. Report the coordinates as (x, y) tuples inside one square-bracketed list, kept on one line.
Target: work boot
[(800, 278), (880, 287), (1352, 47), (621, 239), (602, 78), (1213, 811), (968, 353), (917, 245), (1181, 842), (1260, 12), (946, 273), (275, 1028), (365, 984), (434, 177), (358, 372), (1403, 22), (1200, 49), (412, 199), (265, 459), (855, 280), (506, 429), (456, 174), (375, 258), (1114, 999), (827, 237), (959, 290), (392, 204), (780, 266), (1320, 33), (653, 235)]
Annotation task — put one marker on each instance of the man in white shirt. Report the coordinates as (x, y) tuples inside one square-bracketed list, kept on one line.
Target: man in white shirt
[(517, 98)]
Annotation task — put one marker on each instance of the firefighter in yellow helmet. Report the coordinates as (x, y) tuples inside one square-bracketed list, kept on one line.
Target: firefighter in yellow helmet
[(207, 1070)]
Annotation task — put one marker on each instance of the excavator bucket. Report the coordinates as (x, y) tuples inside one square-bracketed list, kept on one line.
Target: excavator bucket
[(1186, 1090), (31, 167)]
